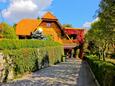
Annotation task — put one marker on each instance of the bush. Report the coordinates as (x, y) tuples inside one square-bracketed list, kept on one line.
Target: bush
[(31, 59), (113, 56), (104, 71), (17, 44)]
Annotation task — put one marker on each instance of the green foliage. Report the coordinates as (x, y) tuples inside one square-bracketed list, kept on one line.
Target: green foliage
[(23, 60), (102, 32), (8, 32), (107, 14), (49, 38), (103, 40), (67, 25), (38, 18), (38, 35), (31, 59), (54, 53), (14, 26), (104, 71), (17, 44)]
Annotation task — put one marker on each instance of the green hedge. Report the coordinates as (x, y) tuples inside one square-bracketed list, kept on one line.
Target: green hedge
[(17, 44), (28, 59), (104, 71)]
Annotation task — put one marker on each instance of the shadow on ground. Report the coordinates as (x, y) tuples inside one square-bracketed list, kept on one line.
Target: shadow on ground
[(85, 77), (71, 73)]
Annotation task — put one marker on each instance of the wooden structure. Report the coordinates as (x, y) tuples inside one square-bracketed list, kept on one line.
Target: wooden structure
[(70, 38), (77, 37)]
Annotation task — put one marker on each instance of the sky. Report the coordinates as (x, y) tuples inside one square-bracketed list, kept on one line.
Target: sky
[(79, 13)]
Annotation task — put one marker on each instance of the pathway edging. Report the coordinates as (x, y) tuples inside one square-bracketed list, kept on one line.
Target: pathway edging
[(97, 83)]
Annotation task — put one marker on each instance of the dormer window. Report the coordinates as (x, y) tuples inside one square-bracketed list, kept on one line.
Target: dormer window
[(48, 24)]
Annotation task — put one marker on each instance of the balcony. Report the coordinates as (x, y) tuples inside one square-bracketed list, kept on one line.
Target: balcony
[(68, 44)]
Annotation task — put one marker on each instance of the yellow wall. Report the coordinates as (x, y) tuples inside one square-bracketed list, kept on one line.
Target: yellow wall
[(51, 32), (53, 25)]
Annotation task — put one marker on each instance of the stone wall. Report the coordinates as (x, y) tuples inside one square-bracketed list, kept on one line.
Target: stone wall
[(6, 69), (1, 66)]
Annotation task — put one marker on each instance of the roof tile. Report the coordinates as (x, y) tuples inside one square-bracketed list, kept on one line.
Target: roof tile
[(27, 26)]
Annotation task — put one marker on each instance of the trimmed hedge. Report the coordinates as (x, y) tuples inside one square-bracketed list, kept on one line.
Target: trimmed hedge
[(17, 44), (28, 59), (104, 71)]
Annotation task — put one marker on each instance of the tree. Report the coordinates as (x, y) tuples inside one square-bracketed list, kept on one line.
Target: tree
[(8, 31), (14, 26), (107, 15), (102, 31), (38, 17), (67, 25), (38, 35)]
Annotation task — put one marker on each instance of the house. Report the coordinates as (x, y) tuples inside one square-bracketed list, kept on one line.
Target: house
[(77, 37), (49, 24), (75, 34)]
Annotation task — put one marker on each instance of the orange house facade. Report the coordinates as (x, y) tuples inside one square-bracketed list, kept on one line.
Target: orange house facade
[(70, 38)]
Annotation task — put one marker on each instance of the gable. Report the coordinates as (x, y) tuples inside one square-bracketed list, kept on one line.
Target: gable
[(49, 15), (52, 24)]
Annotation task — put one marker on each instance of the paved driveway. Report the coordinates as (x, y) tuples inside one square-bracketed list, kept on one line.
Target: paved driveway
[(71, 73)]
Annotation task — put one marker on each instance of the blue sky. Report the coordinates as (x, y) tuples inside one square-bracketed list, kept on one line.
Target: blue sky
[(75, 12)]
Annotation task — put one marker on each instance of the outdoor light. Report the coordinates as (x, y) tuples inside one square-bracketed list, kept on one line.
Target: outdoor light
[(40, 30)]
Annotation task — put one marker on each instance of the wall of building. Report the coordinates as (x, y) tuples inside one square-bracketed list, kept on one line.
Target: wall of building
[(53, 24)]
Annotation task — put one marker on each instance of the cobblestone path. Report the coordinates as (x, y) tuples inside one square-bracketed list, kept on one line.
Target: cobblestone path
[(71, 73)]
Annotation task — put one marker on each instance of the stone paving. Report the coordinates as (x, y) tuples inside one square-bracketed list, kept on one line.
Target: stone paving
[(70, 73)]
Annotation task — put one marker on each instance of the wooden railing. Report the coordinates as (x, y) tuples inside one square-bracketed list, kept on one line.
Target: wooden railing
[(69, 43)]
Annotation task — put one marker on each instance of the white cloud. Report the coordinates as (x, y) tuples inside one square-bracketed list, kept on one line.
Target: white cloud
[(19, 9), (88, 24)]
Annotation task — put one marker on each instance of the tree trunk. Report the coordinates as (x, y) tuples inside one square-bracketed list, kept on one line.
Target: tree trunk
[(104, 50)]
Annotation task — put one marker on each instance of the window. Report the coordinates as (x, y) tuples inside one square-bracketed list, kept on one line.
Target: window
[(48, 24), (73, 36)]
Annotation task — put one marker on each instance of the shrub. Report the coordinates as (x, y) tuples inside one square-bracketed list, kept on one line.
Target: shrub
[(104, 71), (17, 44), (113, 56), (31, 59)]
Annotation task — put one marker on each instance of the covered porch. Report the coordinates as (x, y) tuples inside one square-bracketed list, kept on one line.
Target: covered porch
[(72, 49)]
